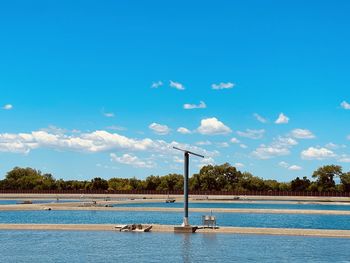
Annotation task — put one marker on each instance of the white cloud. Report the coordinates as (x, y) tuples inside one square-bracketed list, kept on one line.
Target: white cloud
[(212, 126), (333, 146), (205, 161), (282, 119), (183, 130), (284, 142), (223, 85), (283, 164), (344, 159), (267, 152), (201, 105), (239, 165), (290, 167), (159, 128), (94, 142), (243, 146), (203, 143), (176, 85), (177, 159), (345, 105), (317, 154), (7, 107), (116, 128), (222, 144), (132, 160), (156, 84), (279, 147), (348, 137), (302, 134), (252, 134), (295, 168), (109, 114), (260, 118), (235, 140)]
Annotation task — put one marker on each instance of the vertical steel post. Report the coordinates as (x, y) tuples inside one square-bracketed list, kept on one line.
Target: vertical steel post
[(186, 171)]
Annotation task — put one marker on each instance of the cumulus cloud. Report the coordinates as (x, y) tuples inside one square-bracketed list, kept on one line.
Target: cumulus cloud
[(222, 144), (201, 105), (176, 85), (205, 161), (267, 152), (156, 84), (302, 134), (282, 119), (204, 143), (260, 118), (7, 107), (132, 160), (97, 141), (212, 126), (279, 147), (290, 167), (252, 134), (235, 140), (183, 130), (243, 146), (317, 153), (223, 85), (159, 128), (345, 105)]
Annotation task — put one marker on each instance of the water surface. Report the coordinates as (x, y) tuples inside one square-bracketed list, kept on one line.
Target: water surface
[(85, 246), (175, 218), (255, 205)]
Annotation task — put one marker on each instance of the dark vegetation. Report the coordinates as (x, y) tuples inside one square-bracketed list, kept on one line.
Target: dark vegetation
[(210, 178)]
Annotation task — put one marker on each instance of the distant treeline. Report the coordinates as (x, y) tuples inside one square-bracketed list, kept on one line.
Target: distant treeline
[(210, 178)]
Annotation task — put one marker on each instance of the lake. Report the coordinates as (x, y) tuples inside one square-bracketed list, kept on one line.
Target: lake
[(85, 246), (174, 218)]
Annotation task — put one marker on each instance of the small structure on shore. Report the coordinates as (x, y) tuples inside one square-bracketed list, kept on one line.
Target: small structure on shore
[(186, 227), (134, 228)]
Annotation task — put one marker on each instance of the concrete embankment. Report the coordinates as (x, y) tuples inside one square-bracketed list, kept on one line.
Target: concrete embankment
[(169, 228), (76, 207)]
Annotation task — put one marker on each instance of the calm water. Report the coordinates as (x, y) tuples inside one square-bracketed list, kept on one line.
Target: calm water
[(174, 218), (58, 246), (242, 205)]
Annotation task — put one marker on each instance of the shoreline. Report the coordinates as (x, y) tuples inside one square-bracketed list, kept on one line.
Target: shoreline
[(80, 207), (170, 229), (214, 198)]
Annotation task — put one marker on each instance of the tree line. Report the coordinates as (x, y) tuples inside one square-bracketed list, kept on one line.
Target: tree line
[(210, 178)]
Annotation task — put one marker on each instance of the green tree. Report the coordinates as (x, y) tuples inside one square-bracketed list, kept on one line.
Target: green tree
[(345, 181), (99, 184), (300, 184), (325, 177)]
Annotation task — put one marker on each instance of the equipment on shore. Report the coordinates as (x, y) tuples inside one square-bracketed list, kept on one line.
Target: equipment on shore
[(134, 228), (186, 227), (209, 221)]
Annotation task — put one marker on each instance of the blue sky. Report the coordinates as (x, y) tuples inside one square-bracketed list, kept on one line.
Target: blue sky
[(101, 88)]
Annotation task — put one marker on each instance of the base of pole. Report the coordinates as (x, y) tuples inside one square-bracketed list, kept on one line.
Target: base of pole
[(185, 229)]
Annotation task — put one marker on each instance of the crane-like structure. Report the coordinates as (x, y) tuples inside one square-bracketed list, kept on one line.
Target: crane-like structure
[(186, 227)]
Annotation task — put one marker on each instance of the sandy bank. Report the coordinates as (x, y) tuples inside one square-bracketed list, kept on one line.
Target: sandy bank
[(169, 228)]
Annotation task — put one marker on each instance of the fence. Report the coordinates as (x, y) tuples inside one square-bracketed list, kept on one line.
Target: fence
[(154, 192)]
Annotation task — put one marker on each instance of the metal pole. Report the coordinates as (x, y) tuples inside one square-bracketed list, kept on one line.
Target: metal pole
[(186, 169)]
